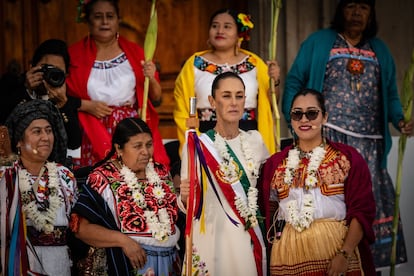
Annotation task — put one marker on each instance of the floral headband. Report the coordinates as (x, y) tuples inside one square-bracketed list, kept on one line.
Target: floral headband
[(81, 10), (243, 20)]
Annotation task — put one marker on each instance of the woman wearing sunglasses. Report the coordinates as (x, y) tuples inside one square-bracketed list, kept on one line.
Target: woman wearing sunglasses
[(323, 225)]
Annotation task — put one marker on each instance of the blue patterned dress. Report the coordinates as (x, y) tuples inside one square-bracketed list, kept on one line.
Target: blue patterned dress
[(354, 109)]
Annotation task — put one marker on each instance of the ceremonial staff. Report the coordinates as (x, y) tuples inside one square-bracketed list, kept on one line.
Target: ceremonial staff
[(407, 95), (150, 43), (192, 124), (276, 5)]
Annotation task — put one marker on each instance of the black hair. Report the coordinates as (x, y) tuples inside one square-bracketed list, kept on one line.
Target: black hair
[(223, 76), (52, 47), (89, 6), (338, 22), (318, 95), (124, 130), (232, 13)]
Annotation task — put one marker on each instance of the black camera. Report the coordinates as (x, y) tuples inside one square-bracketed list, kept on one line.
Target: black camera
[(53, 75)]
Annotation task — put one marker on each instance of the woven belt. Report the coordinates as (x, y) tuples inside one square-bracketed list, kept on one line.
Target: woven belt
[(56, 238)]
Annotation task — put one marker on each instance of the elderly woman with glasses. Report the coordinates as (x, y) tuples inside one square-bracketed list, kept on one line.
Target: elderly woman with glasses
[(323, 225), (36, 194)]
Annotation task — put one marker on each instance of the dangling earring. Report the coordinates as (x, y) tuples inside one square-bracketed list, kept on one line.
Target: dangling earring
[(209, 44), (294, 138), (119, 157), (19, 151), (237, 46), (117, 36)]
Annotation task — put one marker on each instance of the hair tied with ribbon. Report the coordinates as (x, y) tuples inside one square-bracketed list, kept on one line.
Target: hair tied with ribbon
[(246, 25)]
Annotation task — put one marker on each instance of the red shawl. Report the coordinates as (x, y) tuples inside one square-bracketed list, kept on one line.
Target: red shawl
[(359, 199), (82, 56)]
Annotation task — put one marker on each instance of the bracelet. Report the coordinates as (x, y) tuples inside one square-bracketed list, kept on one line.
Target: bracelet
[(277, 83), (344, 254)]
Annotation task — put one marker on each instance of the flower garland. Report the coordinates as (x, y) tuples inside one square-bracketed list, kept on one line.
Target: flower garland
[(228, 166), (158, 222), (247, 210), (302, 220), (315, 160), (42, 219)]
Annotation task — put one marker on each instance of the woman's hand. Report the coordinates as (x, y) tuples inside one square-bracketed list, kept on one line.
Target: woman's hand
[(406, 128), (34, 77), (57, 94), (273, 71), (134, 252), (148, 69), (338, 265), (184, 190), (95, 108)]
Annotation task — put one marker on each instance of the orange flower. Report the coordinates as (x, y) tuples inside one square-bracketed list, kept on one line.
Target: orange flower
[(211, 68)]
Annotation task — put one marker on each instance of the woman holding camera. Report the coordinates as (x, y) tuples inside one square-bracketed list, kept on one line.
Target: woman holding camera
[(46, 80)]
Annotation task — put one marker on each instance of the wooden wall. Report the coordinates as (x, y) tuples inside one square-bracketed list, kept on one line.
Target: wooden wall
[(183, 29)]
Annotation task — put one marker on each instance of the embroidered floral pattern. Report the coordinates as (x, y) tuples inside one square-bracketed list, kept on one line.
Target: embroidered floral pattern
[(199, 267), (153, 200), (248, 64)]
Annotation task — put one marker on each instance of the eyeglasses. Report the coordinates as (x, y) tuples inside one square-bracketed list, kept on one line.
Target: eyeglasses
[(311, 115)]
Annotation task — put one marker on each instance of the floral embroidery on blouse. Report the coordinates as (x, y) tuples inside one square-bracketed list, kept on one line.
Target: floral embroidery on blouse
[(332, 174), (110, 63), (130, 215), (248, 64)]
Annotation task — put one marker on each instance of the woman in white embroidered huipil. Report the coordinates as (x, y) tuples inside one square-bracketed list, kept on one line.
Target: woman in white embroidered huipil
[(41, 191)]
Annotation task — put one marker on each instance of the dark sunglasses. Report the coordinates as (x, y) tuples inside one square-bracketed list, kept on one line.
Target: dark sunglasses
[(297, 115)]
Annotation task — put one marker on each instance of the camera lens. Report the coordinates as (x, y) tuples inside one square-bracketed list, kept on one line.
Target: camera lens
[(53, 75)]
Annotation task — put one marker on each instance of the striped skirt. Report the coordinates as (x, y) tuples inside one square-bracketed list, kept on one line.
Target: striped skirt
[(309, 252)]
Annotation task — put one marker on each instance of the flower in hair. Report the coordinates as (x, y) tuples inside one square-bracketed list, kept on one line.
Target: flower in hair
[(246, 24), (81, 10)]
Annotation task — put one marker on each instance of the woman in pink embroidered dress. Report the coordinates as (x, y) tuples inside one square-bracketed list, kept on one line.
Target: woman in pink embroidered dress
[(129, 208)]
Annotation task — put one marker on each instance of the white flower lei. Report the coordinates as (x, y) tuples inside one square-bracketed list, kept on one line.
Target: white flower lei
[(247, 210), (302, 220), (316, 158), (158, 223), (228, 167), (42, 220)]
